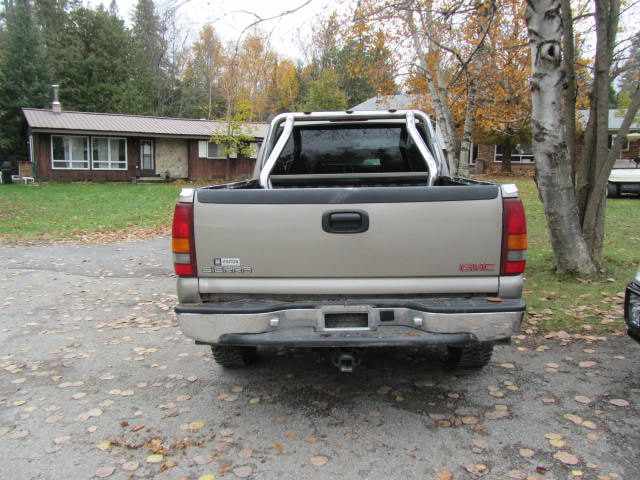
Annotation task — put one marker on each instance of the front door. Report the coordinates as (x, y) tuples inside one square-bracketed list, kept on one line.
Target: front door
[(147, 160)]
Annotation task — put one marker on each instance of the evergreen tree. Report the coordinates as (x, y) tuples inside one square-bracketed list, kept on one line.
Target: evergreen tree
[(113, 9), (23, 74), (149, 52), (96, 65)]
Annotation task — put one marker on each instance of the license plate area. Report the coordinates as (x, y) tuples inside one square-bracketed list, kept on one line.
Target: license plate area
[(334, 318), (333, 321)]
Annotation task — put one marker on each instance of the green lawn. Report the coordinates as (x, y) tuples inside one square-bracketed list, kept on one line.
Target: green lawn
[(573, 304), (99, 211), (53, 211)]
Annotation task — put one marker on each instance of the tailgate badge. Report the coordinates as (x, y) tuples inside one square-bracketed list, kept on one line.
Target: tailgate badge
[(228, 265), (477, 267)]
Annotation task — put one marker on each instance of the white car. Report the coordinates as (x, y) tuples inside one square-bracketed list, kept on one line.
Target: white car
[(624, 180)]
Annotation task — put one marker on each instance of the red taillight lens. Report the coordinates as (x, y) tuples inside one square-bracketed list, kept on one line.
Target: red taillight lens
[(184, 254), (514, 237)]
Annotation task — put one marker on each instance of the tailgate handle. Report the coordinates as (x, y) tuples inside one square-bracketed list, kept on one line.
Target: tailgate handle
[(340, 221)]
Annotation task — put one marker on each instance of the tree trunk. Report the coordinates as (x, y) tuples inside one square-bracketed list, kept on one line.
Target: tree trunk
[(593, 187), (594, 215), (507, 152), (465, 145), (554, 169), (438, 93), (571, 89)]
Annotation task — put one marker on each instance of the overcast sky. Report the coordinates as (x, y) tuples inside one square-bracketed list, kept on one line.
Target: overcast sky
[(193, 14)]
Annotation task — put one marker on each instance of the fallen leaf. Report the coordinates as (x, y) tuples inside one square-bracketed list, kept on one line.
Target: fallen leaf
[(566, 457), (526, 452), (155, 458), (104, 445), (130, 466), (243, 471), (208, 476), (469, 420), (318, 460), (104, 472), (619, 402), (476, 468), (582, 399), (587, 364), (195, 426), (573, 418), (444, 475)]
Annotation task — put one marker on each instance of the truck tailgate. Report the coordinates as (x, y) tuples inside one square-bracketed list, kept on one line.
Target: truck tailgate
[(411, 232)]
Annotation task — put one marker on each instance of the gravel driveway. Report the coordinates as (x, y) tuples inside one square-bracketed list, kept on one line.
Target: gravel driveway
[(96, 380)]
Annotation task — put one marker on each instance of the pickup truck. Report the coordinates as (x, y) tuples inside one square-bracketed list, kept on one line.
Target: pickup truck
[(625, 180), (350, 235)]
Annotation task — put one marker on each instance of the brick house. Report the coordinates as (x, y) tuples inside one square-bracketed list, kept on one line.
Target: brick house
[(72, 146), (488, 157)]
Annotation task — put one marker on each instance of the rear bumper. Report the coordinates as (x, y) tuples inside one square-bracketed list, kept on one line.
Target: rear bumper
[(389, 323)]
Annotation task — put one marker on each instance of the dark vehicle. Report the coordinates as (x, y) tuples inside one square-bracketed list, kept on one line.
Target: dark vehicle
[(632, 308)]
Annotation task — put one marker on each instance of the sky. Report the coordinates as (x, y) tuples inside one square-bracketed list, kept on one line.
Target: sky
[(228, 21)]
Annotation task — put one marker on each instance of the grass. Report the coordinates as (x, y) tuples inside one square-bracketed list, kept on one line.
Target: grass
[(57, 211), (99, 211), (591, 306)]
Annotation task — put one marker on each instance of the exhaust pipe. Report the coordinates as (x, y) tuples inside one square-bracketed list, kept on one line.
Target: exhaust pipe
[(346, 362)]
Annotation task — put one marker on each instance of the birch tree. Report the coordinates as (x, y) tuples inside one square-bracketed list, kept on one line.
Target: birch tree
[(447, 41), (572, 186)]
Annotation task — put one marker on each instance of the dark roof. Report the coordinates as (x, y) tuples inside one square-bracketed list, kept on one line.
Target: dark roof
[(138, 125)]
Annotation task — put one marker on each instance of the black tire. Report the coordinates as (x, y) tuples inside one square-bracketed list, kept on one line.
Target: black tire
[(474, 355), (613, 190), (233, 357)]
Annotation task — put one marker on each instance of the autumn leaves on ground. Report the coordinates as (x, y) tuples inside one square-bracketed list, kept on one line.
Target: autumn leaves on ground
[(98, 213), (97, 381)]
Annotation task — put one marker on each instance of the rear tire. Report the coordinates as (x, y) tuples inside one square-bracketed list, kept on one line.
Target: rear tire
[(472, 356), (233, 357), (613, 190)]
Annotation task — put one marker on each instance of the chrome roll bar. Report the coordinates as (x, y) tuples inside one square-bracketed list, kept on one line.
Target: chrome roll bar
[(409, 116)]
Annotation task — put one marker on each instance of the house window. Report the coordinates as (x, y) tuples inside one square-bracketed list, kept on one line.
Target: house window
[(108, 153), (215, 150), (69, 152), (520, 154), (212, 150)]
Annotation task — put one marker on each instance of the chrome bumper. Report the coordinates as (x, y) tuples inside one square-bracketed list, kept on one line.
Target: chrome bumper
[(309, 322)]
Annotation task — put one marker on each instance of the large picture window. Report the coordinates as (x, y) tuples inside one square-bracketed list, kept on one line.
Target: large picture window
[(70, 152), (108, 153)]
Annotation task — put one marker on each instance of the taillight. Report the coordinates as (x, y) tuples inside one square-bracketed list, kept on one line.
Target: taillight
[(514, 237), (182, 244)]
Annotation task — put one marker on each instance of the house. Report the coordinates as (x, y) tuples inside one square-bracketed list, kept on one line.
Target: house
[(489, 156), (71, 146)]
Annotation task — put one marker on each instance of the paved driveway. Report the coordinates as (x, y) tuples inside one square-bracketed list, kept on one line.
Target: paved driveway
[(97, 380)]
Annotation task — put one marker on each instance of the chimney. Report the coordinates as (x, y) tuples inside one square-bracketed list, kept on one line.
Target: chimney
[(55, 104)]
